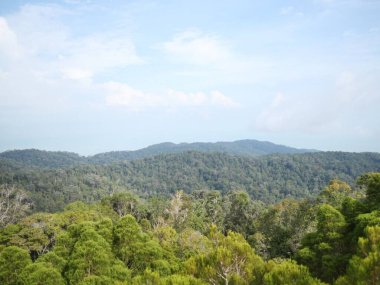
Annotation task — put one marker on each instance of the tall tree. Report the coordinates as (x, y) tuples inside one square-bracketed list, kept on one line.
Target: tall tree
[(14, 204), (364, 268), (371, 182), (13, 260)]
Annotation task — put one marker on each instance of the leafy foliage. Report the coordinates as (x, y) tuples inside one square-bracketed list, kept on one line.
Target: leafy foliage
[(195, 235)]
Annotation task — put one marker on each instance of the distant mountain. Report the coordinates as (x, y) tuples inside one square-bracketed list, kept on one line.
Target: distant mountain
[(42, 158), (251, 148), (58, 159)]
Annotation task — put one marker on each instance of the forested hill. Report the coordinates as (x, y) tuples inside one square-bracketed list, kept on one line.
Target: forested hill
[(43, 159), (251, 148), (267, 178), (58, 159)]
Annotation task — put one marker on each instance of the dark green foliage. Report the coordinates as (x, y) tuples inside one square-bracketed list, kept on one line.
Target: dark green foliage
[(280, 228), (41, 158), (364, 268), (58, 159), (324, 251), (268, 178), (243, 147), (371, 181)]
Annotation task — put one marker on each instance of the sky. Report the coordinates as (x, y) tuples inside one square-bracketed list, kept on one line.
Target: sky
[(92, 76)]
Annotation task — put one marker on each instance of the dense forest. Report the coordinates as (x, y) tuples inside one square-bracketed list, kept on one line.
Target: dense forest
[(190, 218), (58, 159), (198, 238), (266, 178)]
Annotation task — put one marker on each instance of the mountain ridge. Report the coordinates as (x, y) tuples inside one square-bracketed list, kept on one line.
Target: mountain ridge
[(57, 159)]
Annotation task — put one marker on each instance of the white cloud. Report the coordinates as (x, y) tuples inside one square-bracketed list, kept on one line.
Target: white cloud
[(50, 46), (77, 73), (294, 113), (123, 95), (194, 47), (9, 46), (345, 107), (95, 54)]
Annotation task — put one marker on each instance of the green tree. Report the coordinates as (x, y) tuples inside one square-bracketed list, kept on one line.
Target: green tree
[(242, 212), (364, 268), (134, 247), (14, 204), (179, 210), (325, 251), (13, 260), (335, 193), (230, 260), (92, 256), (288, 273), (41, 273), (371, 182), (125, 203), (282, 226)]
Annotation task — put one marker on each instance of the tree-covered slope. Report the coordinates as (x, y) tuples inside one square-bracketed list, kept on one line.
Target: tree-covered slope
[(249, 148), (41, 158), (58, 159), (267, 178), (199, 238)]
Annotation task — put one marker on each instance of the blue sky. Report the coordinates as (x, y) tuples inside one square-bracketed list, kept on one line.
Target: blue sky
[(93, 76)]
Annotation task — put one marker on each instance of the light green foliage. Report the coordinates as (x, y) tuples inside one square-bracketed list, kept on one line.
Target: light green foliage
[(135, 248), (91, 256), (37, 234), (55, 260), (191, 242), (288, 273), (148, 277), (335, 193), (167, 237), (13, 260), (188, 239), (41, 273), (182, 280), (96, 280), (230, 258)]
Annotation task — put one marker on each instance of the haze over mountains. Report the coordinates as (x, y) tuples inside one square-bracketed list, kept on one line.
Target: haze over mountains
[(54, 159)]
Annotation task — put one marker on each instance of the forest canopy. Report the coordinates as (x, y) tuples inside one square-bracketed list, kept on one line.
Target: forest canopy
[(200, 238), (266, 178)]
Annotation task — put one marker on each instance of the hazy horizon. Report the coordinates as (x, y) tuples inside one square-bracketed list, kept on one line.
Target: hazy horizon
[(95, 76)]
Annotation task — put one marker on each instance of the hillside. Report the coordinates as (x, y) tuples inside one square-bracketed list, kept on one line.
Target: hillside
[(266, 178), (250, 148), (43, 159), (59, 159)]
